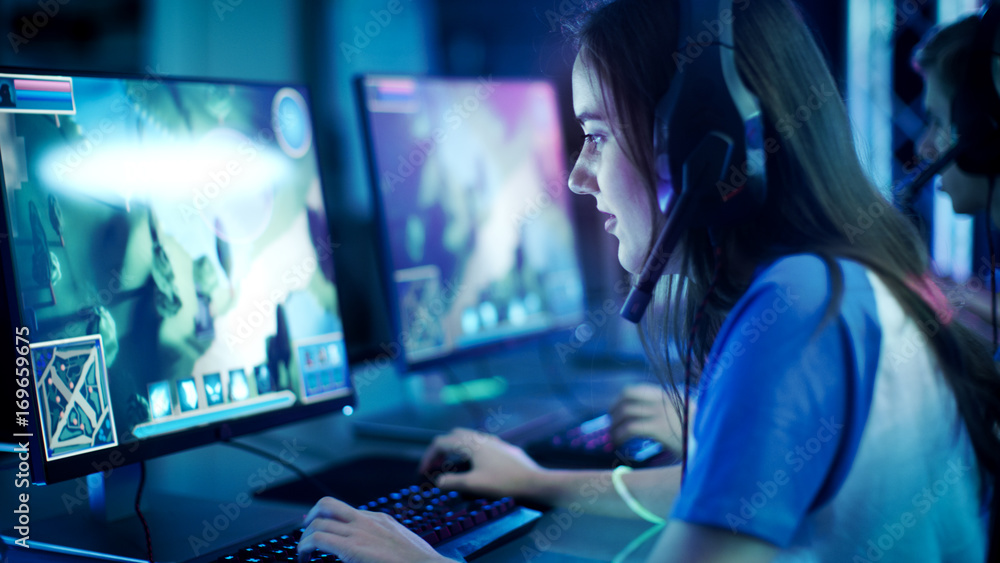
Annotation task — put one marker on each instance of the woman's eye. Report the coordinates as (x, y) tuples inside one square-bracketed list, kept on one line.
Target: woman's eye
[(592, 139)]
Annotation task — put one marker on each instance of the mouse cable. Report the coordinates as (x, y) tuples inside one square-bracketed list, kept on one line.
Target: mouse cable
[(319, 485), (993, 264), (138, 511)]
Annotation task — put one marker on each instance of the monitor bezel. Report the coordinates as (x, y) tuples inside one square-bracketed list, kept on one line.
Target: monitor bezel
[(106, 460), (385, 258)]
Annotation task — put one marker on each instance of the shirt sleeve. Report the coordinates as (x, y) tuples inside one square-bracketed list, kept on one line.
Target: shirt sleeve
[(770, 409)]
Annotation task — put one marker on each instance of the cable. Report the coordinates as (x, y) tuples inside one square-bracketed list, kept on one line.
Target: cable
[(993, 262), (138, 511), (687, 361), (268, 455)]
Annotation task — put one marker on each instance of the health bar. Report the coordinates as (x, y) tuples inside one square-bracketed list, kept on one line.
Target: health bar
[(21, 85)]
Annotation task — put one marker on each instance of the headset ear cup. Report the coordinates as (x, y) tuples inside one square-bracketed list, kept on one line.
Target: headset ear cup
[(707, 136), (975, 109)]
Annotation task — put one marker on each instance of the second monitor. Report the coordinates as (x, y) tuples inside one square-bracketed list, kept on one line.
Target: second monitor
[(470, 181)]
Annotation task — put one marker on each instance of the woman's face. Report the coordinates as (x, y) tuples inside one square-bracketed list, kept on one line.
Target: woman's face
[(604, 171), (968, 193)]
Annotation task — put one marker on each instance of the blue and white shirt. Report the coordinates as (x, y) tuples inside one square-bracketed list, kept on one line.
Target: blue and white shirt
[(838, 441)]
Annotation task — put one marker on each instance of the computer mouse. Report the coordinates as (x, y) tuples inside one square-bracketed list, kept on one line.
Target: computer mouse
[(448, 463)]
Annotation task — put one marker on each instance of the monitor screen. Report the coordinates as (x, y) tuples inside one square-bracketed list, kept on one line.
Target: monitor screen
[(470, 180), (168, 264)]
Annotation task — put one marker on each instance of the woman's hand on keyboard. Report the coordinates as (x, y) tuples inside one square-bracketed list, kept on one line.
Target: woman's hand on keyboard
[(496, 467), (359, 536), (645, 410)]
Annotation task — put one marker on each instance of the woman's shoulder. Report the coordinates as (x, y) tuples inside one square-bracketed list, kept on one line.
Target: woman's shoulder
[(807, 268), (809, 279)]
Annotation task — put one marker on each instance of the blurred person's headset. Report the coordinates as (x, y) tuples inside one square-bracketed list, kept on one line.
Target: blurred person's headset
[(708, 142), (975, 115), (975, 112)]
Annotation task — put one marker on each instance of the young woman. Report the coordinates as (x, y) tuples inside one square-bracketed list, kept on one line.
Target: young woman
[(838, 412)]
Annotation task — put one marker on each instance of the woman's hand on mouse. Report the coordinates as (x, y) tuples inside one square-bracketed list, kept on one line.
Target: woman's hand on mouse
[(497, 468), (645, 410)]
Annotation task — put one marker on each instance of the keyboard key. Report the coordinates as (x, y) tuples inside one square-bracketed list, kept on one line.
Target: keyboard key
[(439, 517), (430, 537)]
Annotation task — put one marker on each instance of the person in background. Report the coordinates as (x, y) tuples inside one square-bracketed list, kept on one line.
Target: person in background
[(942, 59)]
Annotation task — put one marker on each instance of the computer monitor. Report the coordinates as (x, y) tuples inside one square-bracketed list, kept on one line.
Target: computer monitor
[(470, 184), (167, 264)]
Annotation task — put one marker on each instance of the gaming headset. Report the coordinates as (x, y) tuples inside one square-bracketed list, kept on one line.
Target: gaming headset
[(975, 113), (975, 110), (707, 141)]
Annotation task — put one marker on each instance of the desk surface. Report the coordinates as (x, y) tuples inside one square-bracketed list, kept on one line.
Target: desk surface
[(219, 474)]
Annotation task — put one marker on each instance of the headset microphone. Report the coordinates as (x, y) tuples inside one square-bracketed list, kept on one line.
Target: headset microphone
[(912, 185), (707, 141)]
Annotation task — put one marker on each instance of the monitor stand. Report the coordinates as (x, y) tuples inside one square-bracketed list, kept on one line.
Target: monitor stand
[(436, 401), (181, 528)]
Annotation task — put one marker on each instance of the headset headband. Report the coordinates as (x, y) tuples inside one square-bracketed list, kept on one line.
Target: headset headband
[(707, 141), (975, 109)]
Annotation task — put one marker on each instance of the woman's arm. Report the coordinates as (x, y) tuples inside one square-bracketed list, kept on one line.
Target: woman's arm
[(592, 490), (501, 469), (691, 543)]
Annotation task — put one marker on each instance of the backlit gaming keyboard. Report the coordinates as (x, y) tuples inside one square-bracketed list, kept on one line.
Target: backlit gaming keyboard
[(589, 445), (456, 525)]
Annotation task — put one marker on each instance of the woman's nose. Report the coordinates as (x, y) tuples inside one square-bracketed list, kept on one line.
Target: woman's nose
[(581, 180)]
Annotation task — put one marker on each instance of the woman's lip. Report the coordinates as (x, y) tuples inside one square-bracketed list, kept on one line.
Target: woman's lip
[(610, 223)]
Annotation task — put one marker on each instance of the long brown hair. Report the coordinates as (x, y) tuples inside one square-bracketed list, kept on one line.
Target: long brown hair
[(820, 199)]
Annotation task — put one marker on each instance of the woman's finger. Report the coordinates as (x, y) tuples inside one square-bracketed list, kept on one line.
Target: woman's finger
[(329, 507)]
